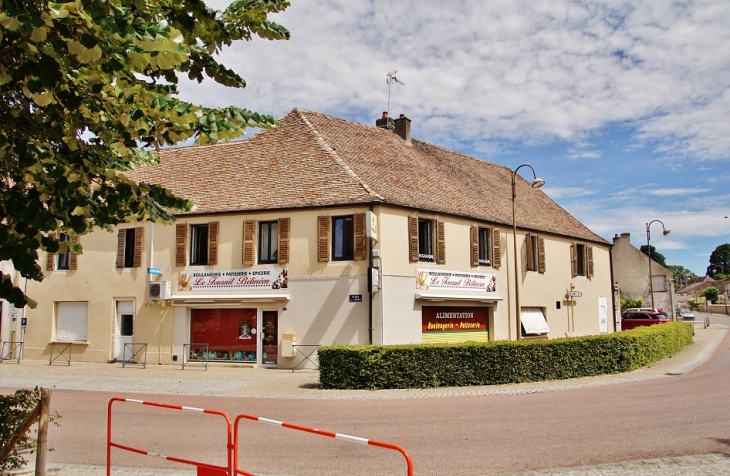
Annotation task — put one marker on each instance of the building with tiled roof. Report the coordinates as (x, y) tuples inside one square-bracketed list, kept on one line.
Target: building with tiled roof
[(325, 231)]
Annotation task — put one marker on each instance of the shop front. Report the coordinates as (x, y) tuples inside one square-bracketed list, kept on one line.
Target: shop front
[(231, 315), (457, 306), (247, 335)]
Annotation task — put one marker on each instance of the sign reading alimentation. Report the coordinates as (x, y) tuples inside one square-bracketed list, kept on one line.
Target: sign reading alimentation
[(453, 323)]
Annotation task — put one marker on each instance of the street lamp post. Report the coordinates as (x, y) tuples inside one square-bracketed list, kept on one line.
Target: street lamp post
[(536, 183), (648, 252), (724, 286)]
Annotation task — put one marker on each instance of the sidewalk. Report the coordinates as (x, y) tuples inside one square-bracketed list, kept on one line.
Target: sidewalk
[(229, 381)]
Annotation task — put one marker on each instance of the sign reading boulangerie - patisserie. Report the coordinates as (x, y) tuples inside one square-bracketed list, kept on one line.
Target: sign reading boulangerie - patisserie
[(233, 279), (455, 280)]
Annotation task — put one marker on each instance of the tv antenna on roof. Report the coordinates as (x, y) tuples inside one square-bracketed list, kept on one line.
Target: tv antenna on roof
[(390, 79)]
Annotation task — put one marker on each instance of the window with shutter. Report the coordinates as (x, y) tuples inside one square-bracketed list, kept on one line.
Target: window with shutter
[(540, 255), (360, 240), (50, 257), (530, 264), (426, 241), (181, 236), (129, 248), (343, 238), (249, 227), (589, 258), (573, 261), (496, 249), (269, 242), (121, 247), (138, 244), (475, 245), (581, 260), (213, 243), (413, 238), (323, 231), (440, 243), (284, 224), (485, 249)]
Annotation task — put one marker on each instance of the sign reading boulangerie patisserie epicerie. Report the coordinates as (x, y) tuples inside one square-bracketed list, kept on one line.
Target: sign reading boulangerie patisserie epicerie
[(233, 279), (455, 280), (454, 324)]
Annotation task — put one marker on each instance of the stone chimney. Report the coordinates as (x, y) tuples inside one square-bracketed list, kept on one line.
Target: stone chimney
[(385, 122), (403, 128)]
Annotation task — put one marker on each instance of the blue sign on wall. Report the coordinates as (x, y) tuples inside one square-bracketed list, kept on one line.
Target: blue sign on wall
[(23, 321), (154, 271)]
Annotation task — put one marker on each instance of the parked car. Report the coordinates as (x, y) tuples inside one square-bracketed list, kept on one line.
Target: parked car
[(685, 314), (631, 319)]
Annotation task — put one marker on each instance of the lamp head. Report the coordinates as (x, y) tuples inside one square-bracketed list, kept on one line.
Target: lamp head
[(666, 232), (538, 182)]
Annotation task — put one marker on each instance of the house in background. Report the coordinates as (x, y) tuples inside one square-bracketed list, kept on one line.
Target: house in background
[(695, 287), (324, 231), (631, 273)]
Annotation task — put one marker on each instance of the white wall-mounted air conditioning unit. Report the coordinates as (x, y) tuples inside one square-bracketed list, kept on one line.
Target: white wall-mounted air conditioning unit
[(159, 291)]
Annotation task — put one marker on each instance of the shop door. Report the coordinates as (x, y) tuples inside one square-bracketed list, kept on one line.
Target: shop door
[(125, 328), (270, 337)]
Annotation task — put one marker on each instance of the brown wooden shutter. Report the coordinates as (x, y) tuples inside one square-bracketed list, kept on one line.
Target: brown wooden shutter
[(284, 225), (360, 241), (589, 256), (440, 243), (121, 240), (181, 237), (249, 233), (573, 261), (540, 255), (528, 253), (73, 263), (496, 249), (212, 243), (323, 233), (413, 238), (50, 257), (475, 246), (138, 244)]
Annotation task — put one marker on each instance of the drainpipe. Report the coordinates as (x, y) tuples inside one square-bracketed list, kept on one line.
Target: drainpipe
[(370, 291), (614, 289)]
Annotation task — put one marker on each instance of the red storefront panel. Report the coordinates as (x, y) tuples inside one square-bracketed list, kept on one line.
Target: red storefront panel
[(231, 334)]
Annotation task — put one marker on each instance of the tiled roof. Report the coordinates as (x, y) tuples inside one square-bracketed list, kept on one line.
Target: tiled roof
[(314, 160)]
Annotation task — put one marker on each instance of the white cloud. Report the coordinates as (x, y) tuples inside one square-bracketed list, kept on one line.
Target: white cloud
[(679, 191)]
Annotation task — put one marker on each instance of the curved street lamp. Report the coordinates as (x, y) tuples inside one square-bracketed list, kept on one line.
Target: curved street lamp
[(665, 232), (536, 183), (724, 286)]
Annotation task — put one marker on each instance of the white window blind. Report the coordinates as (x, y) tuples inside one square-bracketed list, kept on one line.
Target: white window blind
[(72, 321), (533, 321)]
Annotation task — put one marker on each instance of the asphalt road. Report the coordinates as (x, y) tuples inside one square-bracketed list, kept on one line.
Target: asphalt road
[(463, 435)]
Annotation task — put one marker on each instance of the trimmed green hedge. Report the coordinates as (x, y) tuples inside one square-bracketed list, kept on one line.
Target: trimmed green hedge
[(474, 363)]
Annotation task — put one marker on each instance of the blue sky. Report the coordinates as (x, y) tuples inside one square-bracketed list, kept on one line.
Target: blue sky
[(622, 107)]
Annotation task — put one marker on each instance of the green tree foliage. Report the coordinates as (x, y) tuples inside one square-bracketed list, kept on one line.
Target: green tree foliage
[(719, 267), (655, 255), (627, 303), (681, 274), (680, 271), (14, 409), (711, 294), (89, 91)]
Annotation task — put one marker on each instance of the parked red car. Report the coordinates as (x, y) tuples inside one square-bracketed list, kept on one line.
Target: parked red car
[(631, 319)]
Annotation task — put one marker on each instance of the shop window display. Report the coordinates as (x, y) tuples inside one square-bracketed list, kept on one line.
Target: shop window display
[(229, 333)]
